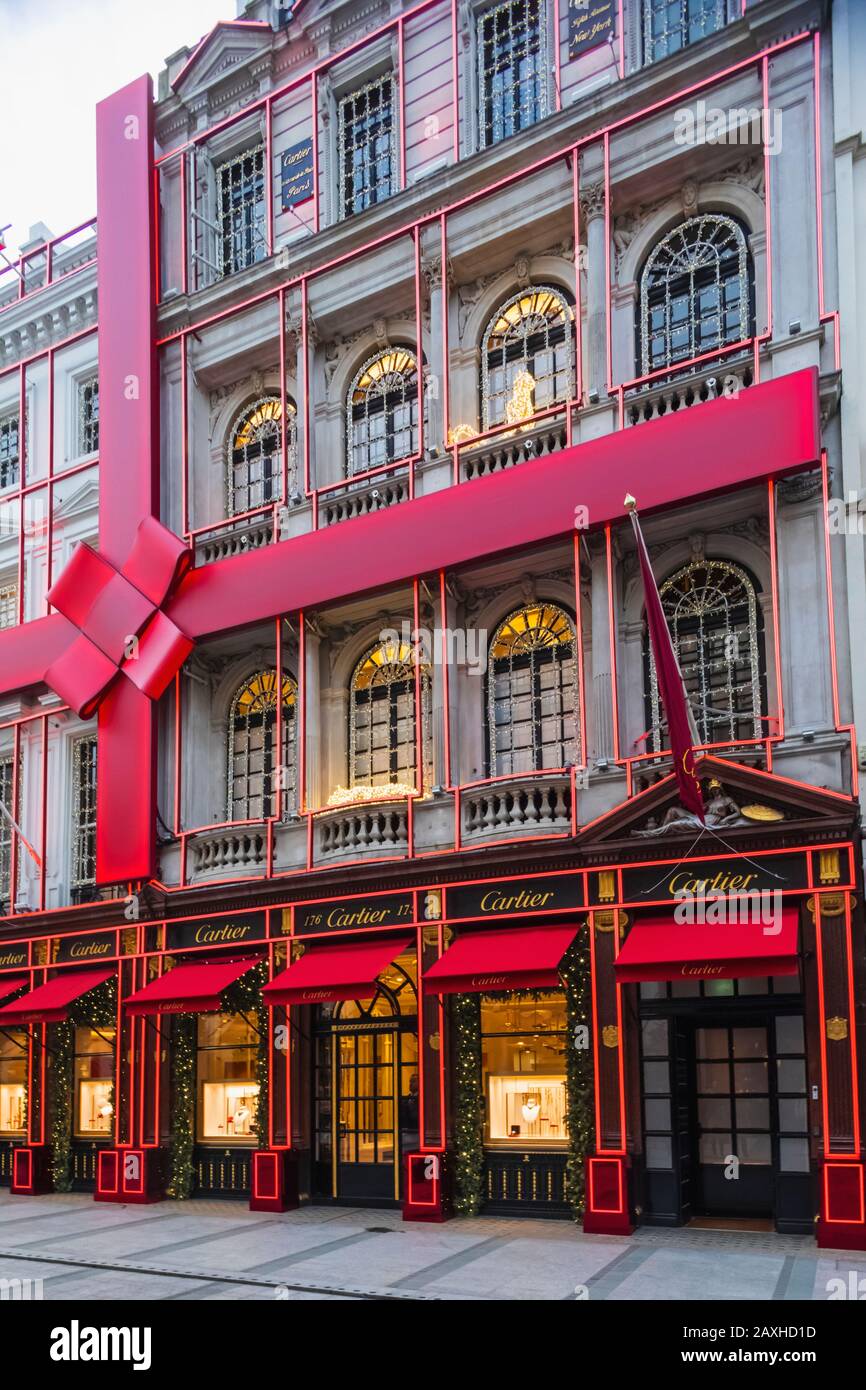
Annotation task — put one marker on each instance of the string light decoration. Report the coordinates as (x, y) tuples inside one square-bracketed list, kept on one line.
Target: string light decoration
[(469, 1104), (530, 335), (696, 291), (532, 692), (252, 729), (382, 720), (714, 617), (382, 411), (183, 1058), (254, 463), (520, 406)]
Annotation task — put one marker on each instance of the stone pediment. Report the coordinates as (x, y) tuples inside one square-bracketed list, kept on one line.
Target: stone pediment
[(229, 44), (741, 803)]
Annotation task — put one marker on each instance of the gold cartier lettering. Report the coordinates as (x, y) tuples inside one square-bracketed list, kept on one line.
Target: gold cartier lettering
[(207, 935), (89, 948), (701, 970), (361, 917), (485, 981), (496, 901), (722, 882)]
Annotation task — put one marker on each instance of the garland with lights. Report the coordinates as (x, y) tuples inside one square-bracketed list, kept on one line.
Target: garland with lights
[(96, 1009), (576, 974), (469, 1098), (184, 1037), (244, 996)]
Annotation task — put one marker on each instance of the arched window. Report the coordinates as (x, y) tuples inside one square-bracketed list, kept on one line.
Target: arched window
[(255, 455), (382, 411), (252, 770), (530, 336), (696, 292), (532, 692), (671, 24), (382, 721), (715, 620)]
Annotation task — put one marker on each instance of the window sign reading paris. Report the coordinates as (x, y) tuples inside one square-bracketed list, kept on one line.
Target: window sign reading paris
[(296, 173), (590, 23)]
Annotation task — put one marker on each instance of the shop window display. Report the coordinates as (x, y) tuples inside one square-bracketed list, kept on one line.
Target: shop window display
[(94, 1082), (13, 1079), (227, 1088), (523, 1061)]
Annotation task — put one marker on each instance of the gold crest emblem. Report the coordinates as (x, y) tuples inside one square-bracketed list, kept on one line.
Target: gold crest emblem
[(837, 1029), (610, 1035)]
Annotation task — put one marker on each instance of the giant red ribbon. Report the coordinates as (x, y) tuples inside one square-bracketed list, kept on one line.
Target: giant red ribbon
[(122, 629)]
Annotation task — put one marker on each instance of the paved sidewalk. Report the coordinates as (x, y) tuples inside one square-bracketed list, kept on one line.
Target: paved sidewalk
[(82, 1250)]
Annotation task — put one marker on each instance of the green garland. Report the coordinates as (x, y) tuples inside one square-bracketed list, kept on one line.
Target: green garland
[(576, 976), (469, 1095), (96, 1009), (469, 1100), (184, 1041)]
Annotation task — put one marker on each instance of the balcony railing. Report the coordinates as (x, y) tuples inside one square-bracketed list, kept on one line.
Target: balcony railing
[(540, 805), (362, 832)]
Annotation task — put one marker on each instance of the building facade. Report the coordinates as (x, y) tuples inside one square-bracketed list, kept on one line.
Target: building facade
[(341, 857)]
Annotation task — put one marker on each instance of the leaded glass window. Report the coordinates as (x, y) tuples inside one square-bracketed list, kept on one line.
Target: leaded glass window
[(530, 336), (382, 411), (88, 415), (7, 799), (382, 719), (10, 458), (696, 292), (715, 621), (255, 459), (366, 146), (670, 25), (8, 605), (512, 68), (84, 811), (240, 191), (254, 770), (532, 692)]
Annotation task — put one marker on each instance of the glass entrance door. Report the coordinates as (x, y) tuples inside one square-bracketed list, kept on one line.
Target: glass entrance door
[(735, 1120), (367, 1137)]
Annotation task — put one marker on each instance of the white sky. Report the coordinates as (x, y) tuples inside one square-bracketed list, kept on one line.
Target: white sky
[(60, 57)]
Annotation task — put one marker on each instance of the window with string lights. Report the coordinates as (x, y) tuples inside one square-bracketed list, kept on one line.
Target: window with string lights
[(532, 692), (382, 411), (716, 623), (382, 724), (512, 68), (669, 25), (257, 769), (696, 292), (527, 359), (254, 466)]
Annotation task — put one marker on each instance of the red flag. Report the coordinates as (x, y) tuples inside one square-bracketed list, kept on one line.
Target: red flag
[(681, 725)]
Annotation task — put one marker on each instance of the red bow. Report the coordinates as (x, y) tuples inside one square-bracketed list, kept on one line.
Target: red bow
[(119, 618)]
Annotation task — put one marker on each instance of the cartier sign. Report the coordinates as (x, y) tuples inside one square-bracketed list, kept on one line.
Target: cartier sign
[(217, 931), (13, 956), (344, 914), (709, 877), (90, 946), (514, 897)]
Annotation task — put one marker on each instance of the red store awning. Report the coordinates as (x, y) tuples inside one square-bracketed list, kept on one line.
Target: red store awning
[(188, 989), (517, 958), (659, 948), (11, 986), (49, 1003), (328, 973)]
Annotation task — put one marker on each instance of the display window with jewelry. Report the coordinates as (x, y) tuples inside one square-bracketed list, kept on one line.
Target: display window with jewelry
[(523, 1062), (13, 1084), (94, 1082), (227, 1088)]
